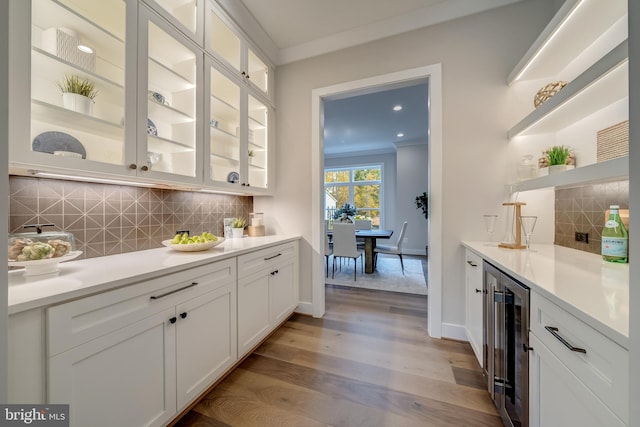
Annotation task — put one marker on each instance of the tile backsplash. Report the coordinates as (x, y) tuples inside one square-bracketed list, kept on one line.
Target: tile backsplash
[(110, 219), (582, 209)]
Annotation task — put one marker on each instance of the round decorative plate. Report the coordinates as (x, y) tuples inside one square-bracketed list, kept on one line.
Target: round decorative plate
[(193, 247), (151, 128), (233, 177), (44, 266), (50, 142)]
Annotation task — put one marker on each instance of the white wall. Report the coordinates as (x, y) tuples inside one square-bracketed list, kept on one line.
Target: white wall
[(4, 191), (413, 171), (476, 54)]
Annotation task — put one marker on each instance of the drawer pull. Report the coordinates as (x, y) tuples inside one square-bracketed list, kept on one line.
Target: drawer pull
[(154, 297), (272, 257), (183, 315), (554, 331), (472, 264), (173, 320)]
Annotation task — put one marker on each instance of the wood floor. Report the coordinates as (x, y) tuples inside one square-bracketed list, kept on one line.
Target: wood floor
[(367, 363)]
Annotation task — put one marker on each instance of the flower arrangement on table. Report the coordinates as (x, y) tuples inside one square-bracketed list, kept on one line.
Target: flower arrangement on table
[(346, 213)]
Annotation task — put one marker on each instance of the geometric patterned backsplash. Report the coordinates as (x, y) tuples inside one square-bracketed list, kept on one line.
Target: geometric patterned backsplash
[(582, 209), (108, 219)]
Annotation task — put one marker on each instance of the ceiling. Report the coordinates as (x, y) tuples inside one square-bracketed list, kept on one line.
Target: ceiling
[(300, 29)]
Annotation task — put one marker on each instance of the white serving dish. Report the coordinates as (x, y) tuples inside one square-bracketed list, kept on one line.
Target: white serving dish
[(44, 266), (193, 247)]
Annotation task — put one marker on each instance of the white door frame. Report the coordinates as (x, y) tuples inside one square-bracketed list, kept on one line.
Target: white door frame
[(432, 73)]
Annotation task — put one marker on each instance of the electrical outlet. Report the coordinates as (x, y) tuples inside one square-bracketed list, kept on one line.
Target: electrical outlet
[(582, 237)]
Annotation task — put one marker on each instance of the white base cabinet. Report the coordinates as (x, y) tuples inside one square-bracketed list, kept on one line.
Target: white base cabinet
[(474, 302)]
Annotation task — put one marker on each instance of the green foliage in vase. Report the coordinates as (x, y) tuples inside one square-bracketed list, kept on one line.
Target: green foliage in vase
[(238, 223), (346, 212), (557, 155), (74, 84)]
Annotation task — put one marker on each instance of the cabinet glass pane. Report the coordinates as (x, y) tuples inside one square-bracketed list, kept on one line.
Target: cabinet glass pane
[(225, 127), (258, 72), (171, 104), (78, 41), (184, 11), (258, 143), (224, 42)]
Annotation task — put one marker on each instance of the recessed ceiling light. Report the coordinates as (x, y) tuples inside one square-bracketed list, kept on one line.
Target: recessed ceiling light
[(397, 108), (400, 135), (84, 48)]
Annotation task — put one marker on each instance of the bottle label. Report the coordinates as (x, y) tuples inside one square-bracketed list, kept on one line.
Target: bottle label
[(612, 223), (614, 246)]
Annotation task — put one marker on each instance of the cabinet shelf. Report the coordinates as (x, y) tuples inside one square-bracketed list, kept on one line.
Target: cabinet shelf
[(228, 159), (599, 86), (167, 78), (168, 114), (164, 145), (45, 112), (573, 29), (610, 170)]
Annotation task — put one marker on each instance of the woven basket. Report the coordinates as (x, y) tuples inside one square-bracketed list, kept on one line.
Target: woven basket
[(613, 142), (547, 92)]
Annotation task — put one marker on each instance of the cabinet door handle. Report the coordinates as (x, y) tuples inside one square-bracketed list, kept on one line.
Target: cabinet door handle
[(183, 315), (272, 257), (554, 331), (144, 168), (274, 272), (173, 320), (526, 348), (133, 166), (154, 297), (478, 291), (472, 264)]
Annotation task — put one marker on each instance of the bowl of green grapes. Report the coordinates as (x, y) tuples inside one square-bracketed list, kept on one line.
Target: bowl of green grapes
[(185, 243)]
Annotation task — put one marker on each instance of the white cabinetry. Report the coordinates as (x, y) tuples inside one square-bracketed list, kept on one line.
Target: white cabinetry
[(584, 44), (577, 376), (159, 344), (267, 292), (474, 302)]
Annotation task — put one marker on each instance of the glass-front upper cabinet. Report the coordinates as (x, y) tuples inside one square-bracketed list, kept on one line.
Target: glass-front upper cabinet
[(77, 83), (185, 14), (224, 130), (258, 143), (171, 65), (225, 42)]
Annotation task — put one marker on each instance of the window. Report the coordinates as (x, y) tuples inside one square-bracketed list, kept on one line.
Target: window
[(360, 186)]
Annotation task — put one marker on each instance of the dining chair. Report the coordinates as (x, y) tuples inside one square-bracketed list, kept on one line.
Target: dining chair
[(362, 224), (344, 246), (391, 249), (328, 249)]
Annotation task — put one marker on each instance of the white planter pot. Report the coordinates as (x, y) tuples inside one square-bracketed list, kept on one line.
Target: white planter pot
[(237, 233), (77, 103), (560, 168)]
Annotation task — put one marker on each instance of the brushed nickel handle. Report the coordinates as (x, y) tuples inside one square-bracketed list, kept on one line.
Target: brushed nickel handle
[(144, 168), (155, 297), (472, 264), (272, 257), (133, 166), (554, 331)]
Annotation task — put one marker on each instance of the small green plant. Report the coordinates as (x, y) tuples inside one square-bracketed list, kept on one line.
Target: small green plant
[(557, 155), (238, 223), (422, 203), (74, 84), (250, 153)]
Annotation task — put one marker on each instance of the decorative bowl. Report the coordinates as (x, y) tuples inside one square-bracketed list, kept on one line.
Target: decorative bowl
[(44, 266), (193, 247)]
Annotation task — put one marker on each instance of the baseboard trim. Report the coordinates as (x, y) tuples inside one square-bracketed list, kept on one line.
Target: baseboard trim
[(304, 308), (453, 331)]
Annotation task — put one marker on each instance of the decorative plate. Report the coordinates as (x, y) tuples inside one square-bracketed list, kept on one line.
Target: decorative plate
[(44, 266), (50, 142), (151, 128), (233, 177), (193, 247)]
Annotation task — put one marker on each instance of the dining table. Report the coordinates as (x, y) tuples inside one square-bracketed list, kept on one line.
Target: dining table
[(369, 237)]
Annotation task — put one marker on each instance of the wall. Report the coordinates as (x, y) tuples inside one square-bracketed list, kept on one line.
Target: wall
[(477, 53), (582, 209), (110, 219), (413, 161)]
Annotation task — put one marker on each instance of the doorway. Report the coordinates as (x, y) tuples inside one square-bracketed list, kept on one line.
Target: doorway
[(432, 75)]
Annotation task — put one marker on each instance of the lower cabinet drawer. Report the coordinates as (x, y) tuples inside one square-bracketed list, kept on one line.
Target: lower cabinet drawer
[(265, 258), (601, 364)]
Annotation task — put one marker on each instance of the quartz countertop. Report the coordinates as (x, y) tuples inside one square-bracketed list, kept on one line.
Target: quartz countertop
[(582, 283), (79, 278)]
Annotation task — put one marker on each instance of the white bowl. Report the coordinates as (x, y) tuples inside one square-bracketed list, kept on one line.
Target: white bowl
[(193, 247)]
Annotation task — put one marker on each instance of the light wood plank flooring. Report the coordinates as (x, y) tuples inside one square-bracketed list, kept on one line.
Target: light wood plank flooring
[(368, 362)]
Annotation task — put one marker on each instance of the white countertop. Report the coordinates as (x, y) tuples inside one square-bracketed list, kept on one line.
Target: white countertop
[(79, 278), (593, 290)]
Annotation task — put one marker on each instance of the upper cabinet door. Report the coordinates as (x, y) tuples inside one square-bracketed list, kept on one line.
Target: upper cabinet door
[(169, 106), (258, 144), (78, 85), (257, 72), (186, 15)]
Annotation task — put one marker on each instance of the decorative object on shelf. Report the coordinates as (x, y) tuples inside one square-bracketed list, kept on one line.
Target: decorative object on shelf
[(52, 142), (346, 213), (233, 177), (151, 128), (213, 123), (517, 244), (78, 94), (158, 98), (65, 44), (560, 158), (526, 168), (545, 93), (154, 158), (256, 227), (67, 154), (237, 227), (613, 142), (250, 154)]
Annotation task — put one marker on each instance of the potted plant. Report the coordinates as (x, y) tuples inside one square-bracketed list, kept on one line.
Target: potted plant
[(422, 202), (250, 154), (78, 94), (559, 158), (237, 227), (346, 213)]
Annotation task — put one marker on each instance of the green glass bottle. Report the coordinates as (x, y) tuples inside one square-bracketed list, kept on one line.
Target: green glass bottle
[(615, 240)]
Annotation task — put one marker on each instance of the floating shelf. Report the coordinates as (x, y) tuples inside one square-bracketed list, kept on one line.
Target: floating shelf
[(573, 29), (165, 113), (49, 113), (610, 170), (167, 78), (163, 145), (604, 83)]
